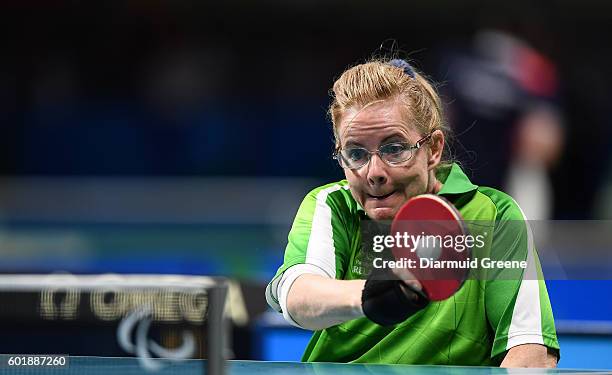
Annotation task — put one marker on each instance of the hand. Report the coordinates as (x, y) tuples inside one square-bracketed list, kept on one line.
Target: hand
[(387, 300)]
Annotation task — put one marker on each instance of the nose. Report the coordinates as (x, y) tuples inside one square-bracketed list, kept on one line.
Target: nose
[(377, 171)]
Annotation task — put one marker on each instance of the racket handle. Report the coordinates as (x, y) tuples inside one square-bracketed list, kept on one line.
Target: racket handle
[(386, 300)]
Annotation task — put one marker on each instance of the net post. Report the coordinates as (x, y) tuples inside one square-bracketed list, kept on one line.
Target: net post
[(217, 329)]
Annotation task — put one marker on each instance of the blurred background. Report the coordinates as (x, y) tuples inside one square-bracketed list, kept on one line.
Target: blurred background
[(180, 137)]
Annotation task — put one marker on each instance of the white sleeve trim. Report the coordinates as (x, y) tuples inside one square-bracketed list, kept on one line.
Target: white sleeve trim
[(525, 338), (526, 316), (287, 280)]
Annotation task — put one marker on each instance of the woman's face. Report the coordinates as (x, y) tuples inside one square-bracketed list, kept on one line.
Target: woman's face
[(379, 188)]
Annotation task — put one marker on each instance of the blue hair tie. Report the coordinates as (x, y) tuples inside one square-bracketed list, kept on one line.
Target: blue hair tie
[(403, 64)]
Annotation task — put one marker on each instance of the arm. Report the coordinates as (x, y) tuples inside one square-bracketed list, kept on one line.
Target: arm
[(516, 300), (530, 355), (316, 302)]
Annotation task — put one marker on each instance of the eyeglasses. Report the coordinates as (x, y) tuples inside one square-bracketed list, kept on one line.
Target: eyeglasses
[(393, 154)]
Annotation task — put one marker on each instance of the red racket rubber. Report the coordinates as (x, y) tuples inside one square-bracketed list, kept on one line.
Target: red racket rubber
[(432, 215)]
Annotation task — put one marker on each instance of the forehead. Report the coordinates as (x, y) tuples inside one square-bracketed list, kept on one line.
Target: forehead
[(376, 121)]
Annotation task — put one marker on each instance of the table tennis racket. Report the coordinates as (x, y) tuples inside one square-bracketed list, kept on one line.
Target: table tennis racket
[(432, 215)]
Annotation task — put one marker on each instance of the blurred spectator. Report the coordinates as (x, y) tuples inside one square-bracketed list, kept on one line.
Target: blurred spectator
[(538, 143), (509, 128)]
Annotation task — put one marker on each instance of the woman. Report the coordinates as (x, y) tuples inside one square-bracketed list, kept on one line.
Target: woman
[(390, 136)]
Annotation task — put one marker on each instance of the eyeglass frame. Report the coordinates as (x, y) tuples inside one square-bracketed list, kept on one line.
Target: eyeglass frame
[(336, 155)]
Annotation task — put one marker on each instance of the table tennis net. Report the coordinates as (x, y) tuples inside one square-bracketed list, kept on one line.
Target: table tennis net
[(150, 317)]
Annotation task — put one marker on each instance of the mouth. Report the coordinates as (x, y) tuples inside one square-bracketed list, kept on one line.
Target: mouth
[(380, 197)]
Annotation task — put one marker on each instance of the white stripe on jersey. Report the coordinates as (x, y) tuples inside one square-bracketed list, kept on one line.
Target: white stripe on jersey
[(321, 250), (526, 324)]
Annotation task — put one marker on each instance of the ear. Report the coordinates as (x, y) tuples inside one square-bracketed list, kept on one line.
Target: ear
[(436, 146)]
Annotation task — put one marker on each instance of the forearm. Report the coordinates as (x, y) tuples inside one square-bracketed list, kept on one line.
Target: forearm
[(529, 355), (316, 302)]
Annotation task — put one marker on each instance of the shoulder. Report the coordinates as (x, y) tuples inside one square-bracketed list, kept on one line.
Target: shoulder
[(327, 189), (336, 195), (505, 206)]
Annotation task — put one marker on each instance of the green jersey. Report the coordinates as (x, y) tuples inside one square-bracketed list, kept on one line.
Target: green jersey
[(476, 326)]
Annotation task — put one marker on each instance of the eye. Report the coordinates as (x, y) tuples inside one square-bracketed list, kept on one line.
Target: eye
[(355, 154), (395, 153), (394, 148)]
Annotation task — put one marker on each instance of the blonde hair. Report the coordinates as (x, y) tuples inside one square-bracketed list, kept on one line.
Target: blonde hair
[(379, 80)]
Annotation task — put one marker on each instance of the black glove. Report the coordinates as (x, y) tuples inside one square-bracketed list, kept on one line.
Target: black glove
[(387, 300)]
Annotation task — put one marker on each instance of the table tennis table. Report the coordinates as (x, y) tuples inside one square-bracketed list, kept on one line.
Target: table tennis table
[(131, 366)]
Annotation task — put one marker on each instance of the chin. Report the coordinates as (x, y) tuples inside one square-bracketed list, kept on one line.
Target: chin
[(381, 213)]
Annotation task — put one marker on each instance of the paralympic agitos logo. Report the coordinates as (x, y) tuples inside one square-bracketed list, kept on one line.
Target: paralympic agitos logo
[(133, 337)]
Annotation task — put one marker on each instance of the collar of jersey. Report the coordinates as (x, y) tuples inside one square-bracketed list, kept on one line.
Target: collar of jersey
[(453, 179)]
